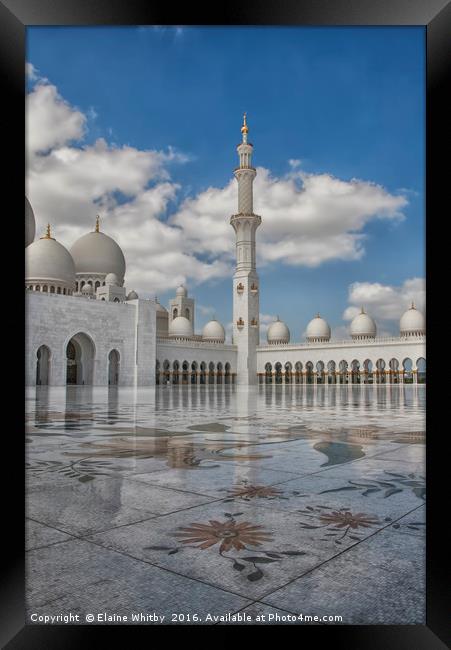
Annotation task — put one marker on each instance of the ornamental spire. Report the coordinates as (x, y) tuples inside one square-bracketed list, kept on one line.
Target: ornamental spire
[(97, 224), (244, 128), (48, 234)]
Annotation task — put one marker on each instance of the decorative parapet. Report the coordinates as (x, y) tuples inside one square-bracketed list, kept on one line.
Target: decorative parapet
[(390, 340), (195, 343)]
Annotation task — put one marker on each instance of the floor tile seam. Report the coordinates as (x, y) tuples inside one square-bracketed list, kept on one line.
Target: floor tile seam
[(304, 514), (305, 474), (318, 566), (43, 523), (154, 516), (158, 566), (258, 602), (164, 487)]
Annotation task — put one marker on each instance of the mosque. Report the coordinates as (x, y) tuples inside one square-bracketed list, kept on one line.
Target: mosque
[(83, 327)]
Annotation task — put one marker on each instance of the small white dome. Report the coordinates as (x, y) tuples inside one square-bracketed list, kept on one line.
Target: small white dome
[(132, 295), (112, 279), (278, 332), (181, 291), (318, 329), (412, 322), (97, 254), (87, 289), (213, 331), (363, 326), (47, 261), (180, 327), (30, 223)]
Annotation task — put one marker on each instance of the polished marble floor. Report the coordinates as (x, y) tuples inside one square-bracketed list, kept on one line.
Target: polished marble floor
[(268, 502)]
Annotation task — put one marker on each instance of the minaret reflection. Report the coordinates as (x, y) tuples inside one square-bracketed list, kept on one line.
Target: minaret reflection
[(244, 422)]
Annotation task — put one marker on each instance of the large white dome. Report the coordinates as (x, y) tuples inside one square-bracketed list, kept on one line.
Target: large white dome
[(97, 254), (213, 331), (278, 332), (363, 326), (318, 330), (30, 223), (412, 322), (180, 327), (47, 262)]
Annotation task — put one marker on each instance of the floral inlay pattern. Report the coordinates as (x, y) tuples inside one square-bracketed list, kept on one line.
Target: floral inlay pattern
[(230, 536), (393, 485), (246, 491), (229, 533), (339, 523)]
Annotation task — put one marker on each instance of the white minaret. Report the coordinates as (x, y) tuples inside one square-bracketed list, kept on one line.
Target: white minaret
[(245, 279)]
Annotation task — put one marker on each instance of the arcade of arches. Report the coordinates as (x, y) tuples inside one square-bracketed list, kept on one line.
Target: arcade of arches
[(193, 373), (381, 372), (80, 358)]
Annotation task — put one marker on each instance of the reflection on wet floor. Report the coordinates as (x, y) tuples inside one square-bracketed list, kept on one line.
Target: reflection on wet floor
[(131, 471)]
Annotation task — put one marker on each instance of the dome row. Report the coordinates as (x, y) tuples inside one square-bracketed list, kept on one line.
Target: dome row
[(412, 323), (93, 256), (182, 328)]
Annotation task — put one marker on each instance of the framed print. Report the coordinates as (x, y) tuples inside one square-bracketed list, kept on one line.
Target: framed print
[(230, 258)]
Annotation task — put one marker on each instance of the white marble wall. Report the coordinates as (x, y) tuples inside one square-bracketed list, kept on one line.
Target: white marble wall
[(196, 351), (386, 349), (130, 328)]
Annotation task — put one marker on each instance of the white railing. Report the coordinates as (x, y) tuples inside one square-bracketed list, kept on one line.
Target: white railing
[(194, 343), (344, 342)]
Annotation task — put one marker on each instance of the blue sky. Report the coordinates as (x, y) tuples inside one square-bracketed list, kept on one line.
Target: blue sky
[(348, 103)]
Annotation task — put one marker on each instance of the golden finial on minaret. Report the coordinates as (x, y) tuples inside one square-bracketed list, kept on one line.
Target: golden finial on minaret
[(97, 224), (244, 128), (48, 234)]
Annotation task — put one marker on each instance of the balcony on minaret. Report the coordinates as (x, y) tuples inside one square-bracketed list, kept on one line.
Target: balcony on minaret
[(240, 323), (254, 322), (240, 287), (254, 288)]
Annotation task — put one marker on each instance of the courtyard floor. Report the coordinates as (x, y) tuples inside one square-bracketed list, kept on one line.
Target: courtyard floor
[(185, 502)]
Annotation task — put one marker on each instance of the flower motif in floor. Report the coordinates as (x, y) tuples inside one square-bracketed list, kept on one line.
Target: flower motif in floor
[(338, 521), (344, 519), (247, 491), (234, 537), (229, 533)]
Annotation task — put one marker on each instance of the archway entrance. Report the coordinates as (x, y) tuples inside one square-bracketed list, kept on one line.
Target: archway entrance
[(113, 368), (80, 353), (42, 366)]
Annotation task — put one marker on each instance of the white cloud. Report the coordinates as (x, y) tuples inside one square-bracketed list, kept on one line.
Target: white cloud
[(50, 120), (30, 71), (307, 219), (385, 303)]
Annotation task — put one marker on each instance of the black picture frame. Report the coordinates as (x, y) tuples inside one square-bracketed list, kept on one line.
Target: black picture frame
[(435, 16)]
